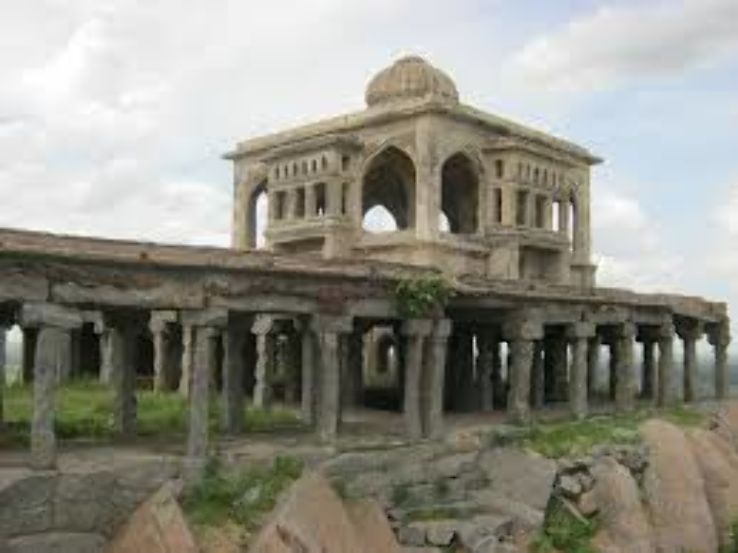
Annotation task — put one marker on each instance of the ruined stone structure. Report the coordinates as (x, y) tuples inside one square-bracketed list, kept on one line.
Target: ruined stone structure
[(301, 322)]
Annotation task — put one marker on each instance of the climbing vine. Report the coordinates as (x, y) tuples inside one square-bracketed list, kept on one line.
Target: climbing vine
[(422, 297)]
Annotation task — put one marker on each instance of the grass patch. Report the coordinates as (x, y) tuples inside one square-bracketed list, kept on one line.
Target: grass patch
[(569, 438), (242, 498), (84, 410), (562, 531)]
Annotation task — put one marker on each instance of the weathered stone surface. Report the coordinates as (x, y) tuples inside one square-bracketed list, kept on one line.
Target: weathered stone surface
[(157, 526), (624, 522), (674, 492), (721, 483), (520, 476), (57, 542), (371, 525), (26, 505), (312, 519)]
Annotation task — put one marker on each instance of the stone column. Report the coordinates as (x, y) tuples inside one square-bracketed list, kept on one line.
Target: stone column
[(434, 373), (537, 377), (625, 384), (329, 330), (308, 388), (206, 326), (520, 336), (263, 388), (499, 391), (690, 332), (719, 337), (198, 438), (593, 363), (667, 388), (106, 360), (160, 332), (310, 205), (415, 331), (351, 374), (557, 367), (122, 346), (578, 334), (188, 350), (650, 376), (486, 342), (232, 390), (463, 364), (54, 324)]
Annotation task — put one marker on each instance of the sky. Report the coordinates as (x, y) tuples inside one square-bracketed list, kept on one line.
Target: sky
[(114, 114)]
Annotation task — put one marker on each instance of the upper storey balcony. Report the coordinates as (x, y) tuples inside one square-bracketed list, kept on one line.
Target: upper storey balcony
[(419, 178)]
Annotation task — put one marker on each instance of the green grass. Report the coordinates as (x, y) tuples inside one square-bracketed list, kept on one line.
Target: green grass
[(569, 438), (564, 532), (243, 497), (84, 411)]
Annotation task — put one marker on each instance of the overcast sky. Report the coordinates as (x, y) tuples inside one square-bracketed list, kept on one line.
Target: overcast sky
[(114, 114)]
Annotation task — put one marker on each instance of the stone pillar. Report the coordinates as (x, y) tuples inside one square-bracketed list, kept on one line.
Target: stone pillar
[(308, 352), (433, 379), (578, 334), (690, 332), (232, 389), (625, 384), (205, 326), (499, 391), (188, 350), (415, 331), (106, 360), (463, 363), (310, 205), (351, 374), (329, 330), (123, 381), (719, 337), (520, 336), (263, 388), (593, 363), (54, 324), (486, 342), (667, 388), (649, 381), (537, 377), (160, 332), (198, 438)]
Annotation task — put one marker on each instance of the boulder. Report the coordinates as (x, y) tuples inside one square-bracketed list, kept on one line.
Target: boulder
[(157, 526), (674, 491), (721, 483), (625, 528), (725, 424), (311, 518), (520, 476), (372, 527)]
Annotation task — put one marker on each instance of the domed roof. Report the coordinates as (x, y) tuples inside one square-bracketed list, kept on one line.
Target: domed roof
[(410, 77)]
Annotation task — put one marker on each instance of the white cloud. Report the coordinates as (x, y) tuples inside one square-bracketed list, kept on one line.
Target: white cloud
[(629, 246), (614, 44)]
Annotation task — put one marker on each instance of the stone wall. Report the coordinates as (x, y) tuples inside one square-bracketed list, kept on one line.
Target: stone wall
[(77, 509)]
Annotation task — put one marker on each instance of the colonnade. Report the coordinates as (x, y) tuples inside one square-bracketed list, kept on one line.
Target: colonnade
[(545, 363)]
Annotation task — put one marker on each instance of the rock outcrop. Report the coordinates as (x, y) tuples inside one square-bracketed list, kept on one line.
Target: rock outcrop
[(625, 526), (157, 526), (674, 490), (313, 519)]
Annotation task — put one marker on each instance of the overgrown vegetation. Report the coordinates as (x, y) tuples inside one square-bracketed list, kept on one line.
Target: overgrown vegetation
[(84, 410), (569, 438), (563, 531), (732, 547), (242, 497), (422, 297)]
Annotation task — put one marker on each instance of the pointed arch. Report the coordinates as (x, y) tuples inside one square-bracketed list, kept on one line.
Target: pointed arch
[(256, 214), (389, 181), (460, 193)]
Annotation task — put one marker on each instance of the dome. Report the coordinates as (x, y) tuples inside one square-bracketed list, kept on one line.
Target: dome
[(410, 77)]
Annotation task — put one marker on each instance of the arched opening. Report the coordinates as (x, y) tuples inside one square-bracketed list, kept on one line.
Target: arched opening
[(556, 216), (257, 213), (389, 182), (378, 219), (381, 370), (460, 194)]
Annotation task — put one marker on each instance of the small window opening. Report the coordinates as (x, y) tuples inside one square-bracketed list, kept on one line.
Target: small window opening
[(279, 205), (320, 199), (300, 203), (498, 205), (345, 163), (344, 197), (522, 208), (499, 168)]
